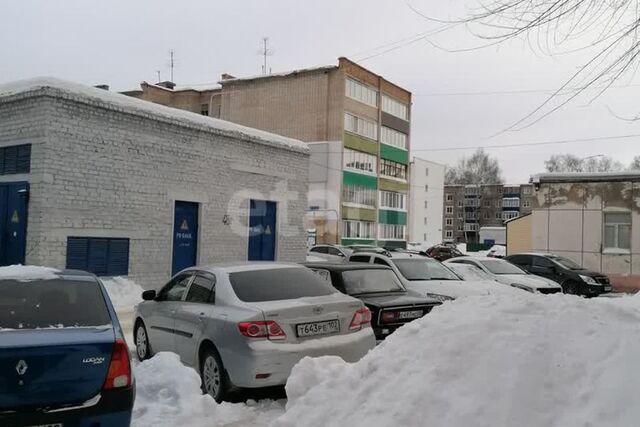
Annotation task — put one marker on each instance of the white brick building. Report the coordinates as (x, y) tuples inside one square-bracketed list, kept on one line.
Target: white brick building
[(124, 186), (426, 202)]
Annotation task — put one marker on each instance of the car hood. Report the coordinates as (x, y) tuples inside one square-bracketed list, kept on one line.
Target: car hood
[(392, 299), (531, 281), (458, 288)]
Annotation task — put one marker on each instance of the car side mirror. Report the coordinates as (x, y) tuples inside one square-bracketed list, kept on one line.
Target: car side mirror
[(149, 295)]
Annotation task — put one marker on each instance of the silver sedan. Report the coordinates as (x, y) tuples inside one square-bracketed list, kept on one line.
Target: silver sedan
[(246, 325)]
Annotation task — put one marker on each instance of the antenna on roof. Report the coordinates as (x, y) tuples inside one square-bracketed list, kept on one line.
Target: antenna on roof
[(265, 51), (171, 63), (159, 79)]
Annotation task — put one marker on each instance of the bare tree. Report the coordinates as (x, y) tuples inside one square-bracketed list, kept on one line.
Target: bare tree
[(571, 163), (635, 164), (477, 169), (607, 28)]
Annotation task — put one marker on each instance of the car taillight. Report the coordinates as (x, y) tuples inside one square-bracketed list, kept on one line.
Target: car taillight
[(119, 374), (361, 317), (259, 329), (388, 316)]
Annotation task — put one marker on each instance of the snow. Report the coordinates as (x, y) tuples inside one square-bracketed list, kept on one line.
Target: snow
[(168, 394), (25, 273), (498, 250), (138, 106), (282, 74), (525, 360), (123, 292)]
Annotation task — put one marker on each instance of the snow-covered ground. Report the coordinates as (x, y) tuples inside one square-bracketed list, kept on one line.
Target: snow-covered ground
[(501, 360)]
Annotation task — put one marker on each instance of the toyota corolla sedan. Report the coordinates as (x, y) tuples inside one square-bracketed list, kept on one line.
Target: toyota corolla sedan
[(245, 325), (63, 358), (508, 274)]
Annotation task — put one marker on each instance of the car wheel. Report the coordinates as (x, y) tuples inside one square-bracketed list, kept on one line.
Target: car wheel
[(570, 288), (143, 349), (214, 377)]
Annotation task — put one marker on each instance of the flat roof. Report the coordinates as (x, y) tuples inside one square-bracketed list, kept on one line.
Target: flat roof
[(585, 177), (57, 88), (318, 69)]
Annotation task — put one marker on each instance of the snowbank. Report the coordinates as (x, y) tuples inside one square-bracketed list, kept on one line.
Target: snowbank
[(124, 293), (526, 360), (168, 394), (25, 273)]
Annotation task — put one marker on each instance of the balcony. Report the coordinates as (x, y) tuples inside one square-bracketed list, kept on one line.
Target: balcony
[(471, 227)]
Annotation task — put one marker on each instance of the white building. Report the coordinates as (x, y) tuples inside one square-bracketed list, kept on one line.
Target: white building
[(426, 201)]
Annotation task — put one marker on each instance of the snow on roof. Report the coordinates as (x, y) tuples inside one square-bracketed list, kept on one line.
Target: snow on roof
[(26, 273), (586, 177), (113, 100), (205, 87), (283, 74)]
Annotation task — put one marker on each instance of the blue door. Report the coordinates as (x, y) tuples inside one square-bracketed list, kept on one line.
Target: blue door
[(14, 197), (262, 230), (185, 236)]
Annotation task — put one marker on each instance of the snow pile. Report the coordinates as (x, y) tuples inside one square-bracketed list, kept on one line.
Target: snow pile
[(462, 247), (168, 394), (124, 293), (25, 273), (498, 251), (530, 360)]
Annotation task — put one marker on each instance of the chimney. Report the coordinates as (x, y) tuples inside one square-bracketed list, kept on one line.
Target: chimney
[(167, 84), (103, 87), (226, 76)]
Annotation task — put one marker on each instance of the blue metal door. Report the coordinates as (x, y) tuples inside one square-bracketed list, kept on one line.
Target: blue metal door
[(262, 230), (14, 197), (185, 236)]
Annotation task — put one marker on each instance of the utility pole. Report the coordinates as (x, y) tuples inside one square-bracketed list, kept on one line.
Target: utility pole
[(171, 63), (265, 51), (159, 79)]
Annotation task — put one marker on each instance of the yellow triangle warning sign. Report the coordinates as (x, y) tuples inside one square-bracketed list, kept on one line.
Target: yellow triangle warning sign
[(15, 218), (184, 226), (267, 230)]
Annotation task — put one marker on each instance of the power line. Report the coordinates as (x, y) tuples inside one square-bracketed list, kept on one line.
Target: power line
[(517, 91)]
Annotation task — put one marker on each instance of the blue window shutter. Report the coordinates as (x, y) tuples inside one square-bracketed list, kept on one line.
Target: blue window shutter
[(118, 257), (98, 256), (77, 248), (2, 161), (23, 159), (10, 160)]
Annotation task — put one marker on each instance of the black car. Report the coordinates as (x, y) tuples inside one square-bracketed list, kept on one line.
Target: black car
[(573, 278), (381, 291)]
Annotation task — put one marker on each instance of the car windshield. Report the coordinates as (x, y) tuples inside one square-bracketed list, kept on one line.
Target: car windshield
[(469, 272), (424, 269), (497, 266), (358, 282), (566, 263), (51, 304), (278, 284)]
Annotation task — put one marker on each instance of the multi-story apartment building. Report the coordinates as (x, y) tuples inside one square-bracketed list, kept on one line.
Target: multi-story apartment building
[(358, 127), (467, 208), (426, 192)]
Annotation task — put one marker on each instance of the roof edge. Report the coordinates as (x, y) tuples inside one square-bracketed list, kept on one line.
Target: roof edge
[(569, 177)]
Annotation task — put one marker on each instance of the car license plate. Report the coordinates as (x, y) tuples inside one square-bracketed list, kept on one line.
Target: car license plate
[(607, 288), (318, 328), (410, 314)]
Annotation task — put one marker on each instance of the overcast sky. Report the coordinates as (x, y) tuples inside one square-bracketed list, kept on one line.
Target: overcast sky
[(123, 42)]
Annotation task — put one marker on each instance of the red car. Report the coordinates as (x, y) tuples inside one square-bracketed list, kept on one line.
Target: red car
[(443, 252)]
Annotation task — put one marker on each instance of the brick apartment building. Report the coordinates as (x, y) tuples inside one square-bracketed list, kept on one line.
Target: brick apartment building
[(467, 208), (357, 125)]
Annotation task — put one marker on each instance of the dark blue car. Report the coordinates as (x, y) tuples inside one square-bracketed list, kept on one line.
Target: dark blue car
[(63, 358)]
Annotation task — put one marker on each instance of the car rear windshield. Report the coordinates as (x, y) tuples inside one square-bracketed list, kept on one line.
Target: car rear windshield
[(371, 281), (566, 263), (497, 266), (51, 304), (469, 272), (424, 269), (278, 284)]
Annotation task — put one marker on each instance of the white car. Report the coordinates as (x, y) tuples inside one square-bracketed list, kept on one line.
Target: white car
[(509, 274), (429, 276), (328, 253)]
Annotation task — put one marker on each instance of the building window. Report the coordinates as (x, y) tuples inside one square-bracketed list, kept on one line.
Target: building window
[(449, 197), (393, 200), (363, 127), (460, 203), (472, 190), (498, 203), (204, 109), (527, 189), (358, 229), (460, 215), (460, 227), (617, 230), (471, 227), (393, 169), (510, 215), (526, 203), (99, 255), (486, 215), (424, 237), (361, 92), (511, 202), (426, 204), (425, 220), (15, 159), (449, 210), (395, 108), (391, 232), (393, 137), (498, 215), (362, 162), (487, 203), (426, 187), (426, 171), (448, 234), (359, 195), (449, 221)]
